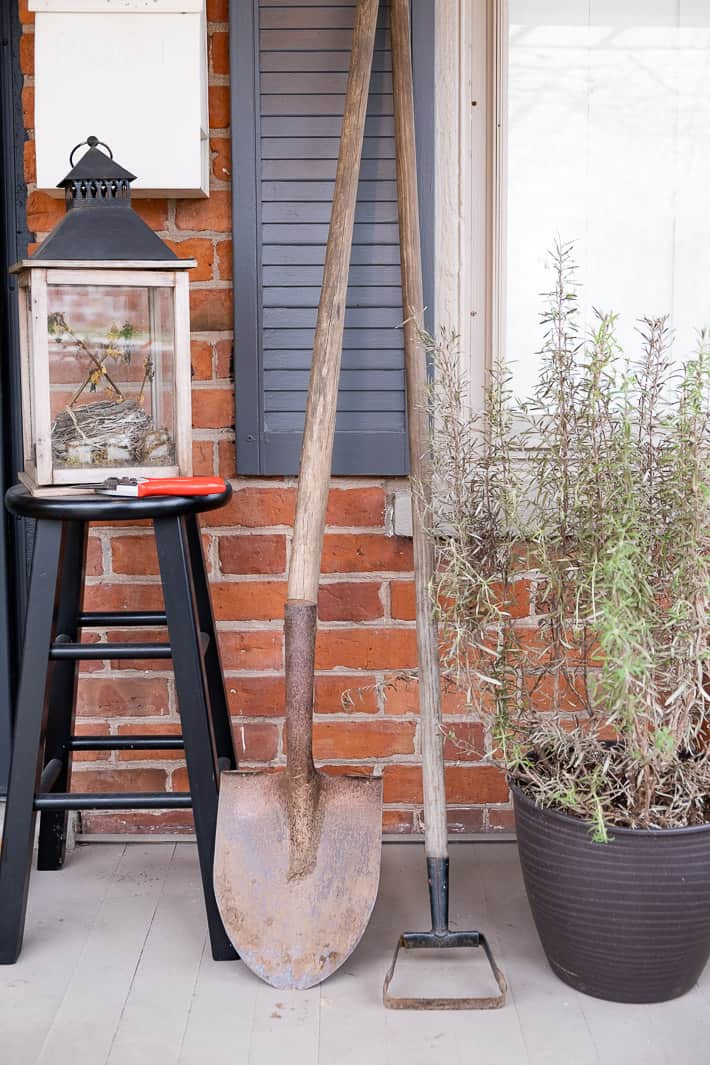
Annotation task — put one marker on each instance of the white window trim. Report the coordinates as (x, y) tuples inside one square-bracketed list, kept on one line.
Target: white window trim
[(471, 41)]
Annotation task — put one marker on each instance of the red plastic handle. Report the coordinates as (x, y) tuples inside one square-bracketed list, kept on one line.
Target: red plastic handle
[(181, 486)]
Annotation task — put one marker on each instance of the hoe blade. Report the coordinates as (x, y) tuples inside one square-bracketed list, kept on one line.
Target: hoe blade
[(294, 931)]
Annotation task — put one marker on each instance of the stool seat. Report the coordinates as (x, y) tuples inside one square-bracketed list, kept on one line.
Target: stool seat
[(88, 506)]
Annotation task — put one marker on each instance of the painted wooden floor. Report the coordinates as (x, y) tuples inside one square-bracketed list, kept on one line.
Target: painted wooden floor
[(115, 971)]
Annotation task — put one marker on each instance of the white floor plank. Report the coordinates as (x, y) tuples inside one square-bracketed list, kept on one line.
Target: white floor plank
[(550, 1013), (285, 1027), (85, 1023), (355, 1027), (152, 1026), (62, 909), (219, 1026)]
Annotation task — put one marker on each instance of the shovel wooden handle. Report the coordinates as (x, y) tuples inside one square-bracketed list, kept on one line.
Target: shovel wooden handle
[(317, 449), (319, 430), (435, 834)]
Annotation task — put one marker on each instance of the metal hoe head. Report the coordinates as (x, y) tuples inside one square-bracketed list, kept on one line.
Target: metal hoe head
[(442, 937), (294, 927)]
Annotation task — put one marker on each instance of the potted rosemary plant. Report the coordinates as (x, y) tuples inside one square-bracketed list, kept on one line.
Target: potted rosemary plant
[(592, 497)]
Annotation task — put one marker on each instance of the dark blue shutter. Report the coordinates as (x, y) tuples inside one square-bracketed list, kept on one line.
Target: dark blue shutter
[(289, 70)]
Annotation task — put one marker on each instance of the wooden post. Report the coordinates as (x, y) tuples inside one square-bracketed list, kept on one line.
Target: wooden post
[(419, 437)]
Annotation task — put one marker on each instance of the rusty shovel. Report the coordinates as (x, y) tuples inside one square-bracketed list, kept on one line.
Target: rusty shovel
[(297, 854)]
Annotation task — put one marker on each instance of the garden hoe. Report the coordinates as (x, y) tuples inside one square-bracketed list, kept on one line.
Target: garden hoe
[(435, 828), (297, 855)]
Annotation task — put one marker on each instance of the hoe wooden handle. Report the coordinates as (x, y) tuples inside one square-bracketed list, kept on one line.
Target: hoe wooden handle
[(418, 428), (317, 450)]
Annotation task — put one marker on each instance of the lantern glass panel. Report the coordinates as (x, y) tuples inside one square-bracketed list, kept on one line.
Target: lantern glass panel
[(111, 375)]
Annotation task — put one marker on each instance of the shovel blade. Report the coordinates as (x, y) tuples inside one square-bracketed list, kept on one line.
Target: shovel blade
[(294, 932)]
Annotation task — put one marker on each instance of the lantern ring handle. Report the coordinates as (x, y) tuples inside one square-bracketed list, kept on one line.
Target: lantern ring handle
[(92, 143)]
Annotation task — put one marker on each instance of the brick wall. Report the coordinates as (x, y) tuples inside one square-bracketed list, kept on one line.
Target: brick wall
[(366, 602)]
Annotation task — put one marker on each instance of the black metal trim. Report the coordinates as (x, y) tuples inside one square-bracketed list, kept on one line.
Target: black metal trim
[(14, 535), (127, 743)]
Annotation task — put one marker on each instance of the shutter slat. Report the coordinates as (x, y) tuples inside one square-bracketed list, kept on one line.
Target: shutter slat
[(375, 296)]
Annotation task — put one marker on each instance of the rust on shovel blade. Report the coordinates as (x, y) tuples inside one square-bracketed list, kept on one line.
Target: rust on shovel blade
[(294, 929)]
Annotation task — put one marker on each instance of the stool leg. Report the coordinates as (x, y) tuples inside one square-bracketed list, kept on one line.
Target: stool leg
[(193, 701), (62, 693), (221, 725), (26, 761)]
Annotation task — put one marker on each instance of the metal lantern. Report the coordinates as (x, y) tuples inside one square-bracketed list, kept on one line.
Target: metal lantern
[(105, 339)]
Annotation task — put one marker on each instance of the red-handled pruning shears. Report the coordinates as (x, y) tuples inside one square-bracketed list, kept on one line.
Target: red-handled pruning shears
[(139, 487)]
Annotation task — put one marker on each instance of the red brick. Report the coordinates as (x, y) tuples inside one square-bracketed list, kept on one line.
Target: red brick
[(134, 555), (362, 739), (219, 53), (86, 728), (395, 822), (366, 649), (502, 820), (28, 108), (349, 601), (129, 697), (464, 784), (224, 259), (30, 163), (27, 53), (401, 697), (221, 151), (150, 729), (251, 649), (201, 358), (94, 557), (143, 822), (224, 350), (227, 464), (154, 212), (464, 821), (572, 692), (515, 597), (218, 100), (202, 457), (254, 508), (463, 741), (213, 214), (265, 553), (249, 600), (212, 408), (198, 248), (140, 636), (402, 604), (217, 10), (356, 507), (365, 553), (256, 696), (129, 596), (357, 688), (119, 780), (541, 691), (256, 741), (43, 212), (211, 310)]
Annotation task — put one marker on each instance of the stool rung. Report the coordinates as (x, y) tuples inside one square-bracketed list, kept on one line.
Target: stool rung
[(121, 620), (127, 743), (141, 800), (50, 773), (63, 649)]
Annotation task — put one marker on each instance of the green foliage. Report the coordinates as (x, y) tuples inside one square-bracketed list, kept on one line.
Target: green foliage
[(600, 484)]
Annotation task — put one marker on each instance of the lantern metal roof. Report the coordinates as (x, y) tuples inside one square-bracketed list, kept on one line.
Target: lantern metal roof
[(100, 223)]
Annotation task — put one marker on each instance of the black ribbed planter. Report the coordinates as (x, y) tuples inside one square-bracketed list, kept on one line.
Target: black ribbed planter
[(627, 920)]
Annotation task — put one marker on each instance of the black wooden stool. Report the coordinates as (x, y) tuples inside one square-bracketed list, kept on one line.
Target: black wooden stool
[(43, 738)]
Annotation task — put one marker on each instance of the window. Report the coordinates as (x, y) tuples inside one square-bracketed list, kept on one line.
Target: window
[(288, 84), (588, 120)]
